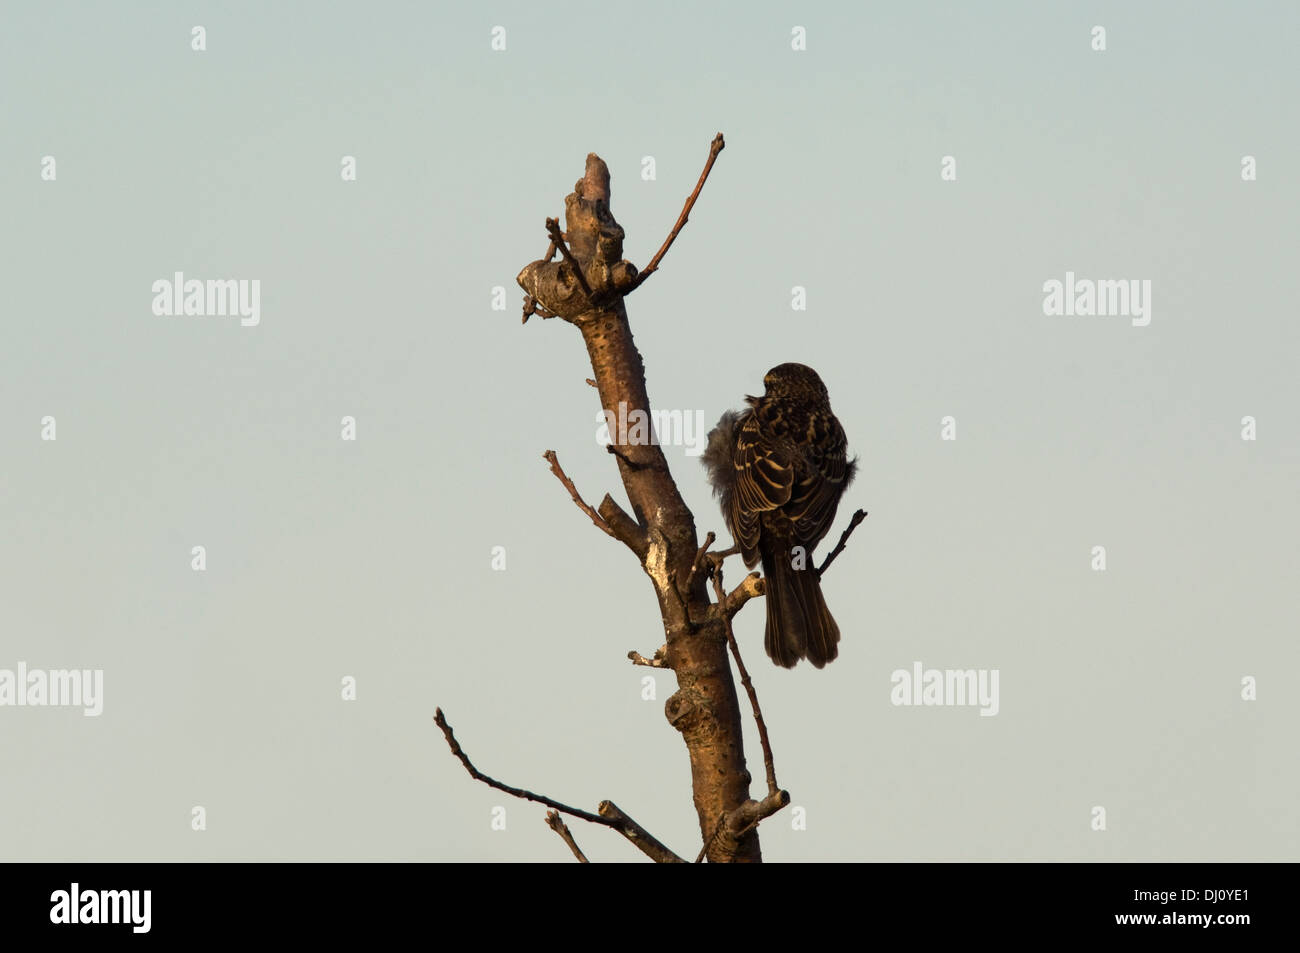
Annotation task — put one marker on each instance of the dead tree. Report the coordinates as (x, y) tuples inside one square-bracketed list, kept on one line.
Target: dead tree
[(587, 287)]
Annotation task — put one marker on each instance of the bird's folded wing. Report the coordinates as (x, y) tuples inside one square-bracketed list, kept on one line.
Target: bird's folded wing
[(764, 479), (815, 497)]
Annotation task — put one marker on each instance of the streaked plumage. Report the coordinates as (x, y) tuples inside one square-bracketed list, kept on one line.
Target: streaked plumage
[(779, 469)]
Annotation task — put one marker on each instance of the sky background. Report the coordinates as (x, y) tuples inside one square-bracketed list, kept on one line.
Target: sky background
[(373, 558)]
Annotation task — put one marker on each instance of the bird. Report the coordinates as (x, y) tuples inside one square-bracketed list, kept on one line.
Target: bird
[(779, 469)]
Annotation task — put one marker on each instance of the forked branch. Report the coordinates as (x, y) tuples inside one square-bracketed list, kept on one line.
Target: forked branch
[(609, 816)]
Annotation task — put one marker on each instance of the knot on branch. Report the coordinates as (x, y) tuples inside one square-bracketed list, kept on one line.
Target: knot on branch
[(592, 272), (692, 714)]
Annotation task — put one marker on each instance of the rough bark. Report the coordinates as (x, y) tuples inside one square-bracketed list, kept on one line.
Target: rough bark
[(586, 287)]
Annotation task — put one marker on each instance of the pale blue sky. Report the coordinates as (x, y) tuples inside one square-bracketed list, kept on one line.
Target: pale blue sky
[(372, 558)]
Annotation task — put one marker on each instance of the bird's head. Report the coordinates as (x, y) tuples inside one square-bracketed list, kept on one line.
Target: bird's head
[(797, 381)]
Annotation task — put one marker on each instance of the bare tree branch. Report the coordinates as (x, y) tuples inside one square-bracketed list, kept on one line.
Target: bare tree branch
[(858, 517), (746, 817), (532, 306), (609, 816), (656, 662), (768, 764), (557, 241), (556, 823), (478, 775), (750, 587), (718, 558), (714, 148), (554, 461), (626, 529), (646, 842), (699, 565), (658, 527)]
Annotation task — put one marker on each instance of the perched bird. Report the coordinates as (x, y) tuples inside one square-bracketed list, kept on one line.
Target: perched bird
[(779, 470)]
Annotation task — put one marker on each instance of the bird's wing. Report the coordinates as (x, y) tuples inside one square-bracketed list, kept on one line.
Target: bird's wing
[(764, 479), (815, 496)]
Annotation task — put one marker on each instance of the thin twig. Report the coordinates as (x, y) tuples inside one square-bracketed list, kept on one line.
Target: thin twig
[(556, 823), (698, 564), (609, 816), (557, 239), (768, 765), (550, 457), (858, 517), (714, 148), (722, 819), (478, 775)]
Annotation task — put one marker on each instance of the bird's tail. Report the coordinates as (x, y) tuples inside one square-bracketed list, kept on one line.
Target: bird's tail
[(798, 623)]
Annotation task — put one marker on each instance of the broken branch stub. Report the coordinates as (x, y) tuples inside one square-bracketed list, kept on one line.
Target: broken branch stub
[(595, 241)]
